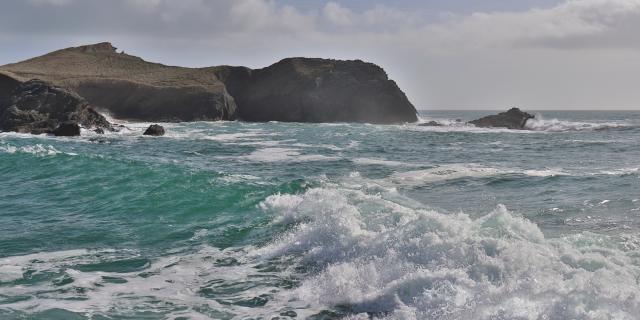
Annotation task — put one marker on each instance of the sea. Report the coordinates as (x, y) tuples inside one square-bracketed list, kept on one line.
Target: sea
[(237, 220)]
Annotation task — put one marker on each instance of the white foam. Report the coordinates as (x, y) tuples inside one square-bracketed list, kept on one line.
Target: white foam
[(465, 128), (380, 257), (620, 171), (37, 149), (172, 283), (12, 268), (537, 124), (464, 170), (379, 162), (324, 146), (445, 172), (554, 125), (546, 173), (284, 155), (227, 137)]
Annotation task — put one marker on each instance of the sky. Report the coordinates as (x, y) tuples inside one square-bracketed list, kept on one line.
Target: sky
[(454, 54)]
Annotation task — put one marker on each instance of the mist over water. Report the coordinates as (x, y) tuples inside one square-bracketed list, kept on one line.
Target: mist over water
[(232, 220)]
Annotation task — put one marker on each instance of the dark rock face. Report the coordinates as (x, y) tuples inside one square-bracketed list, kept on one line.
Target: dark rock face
[(39, 107), (154, 130), (512, 119), (7, 86), (136, 101), (317, 90), (67, 129), (293, 90)]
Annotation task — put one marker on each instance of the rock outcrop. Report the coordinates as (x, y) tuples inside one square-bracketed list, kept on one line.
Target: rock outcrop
[(317, 90), (512, 119), (38, 107), (154, 130), (128, 87)]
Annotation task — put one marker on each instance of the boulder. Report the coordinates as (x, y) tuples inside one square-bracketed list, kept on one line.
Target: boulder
[(67, 129), (317, 90), (38, 107), (512, 119), (154, 130)]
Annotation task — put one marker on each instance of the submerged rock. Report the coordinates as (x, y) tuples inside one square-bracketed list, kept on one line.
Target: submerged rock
[(512, 119), (431, 124), (67, 129), (38, 107), (317, 90), (154, 130)]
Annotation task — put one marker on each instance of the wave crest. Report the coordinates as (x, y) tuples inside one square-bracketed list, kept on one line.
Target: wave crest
[(379, 257), (554, 125)]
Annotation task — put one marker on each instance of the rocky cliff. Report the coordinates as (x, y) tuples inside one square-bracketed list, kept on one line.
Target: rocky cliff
[(317, 90), (130, 88), (294, 89)]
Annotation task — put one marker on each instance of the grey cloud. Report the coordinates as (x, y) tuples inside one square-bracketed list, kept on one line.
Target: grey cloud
[(573, 54)]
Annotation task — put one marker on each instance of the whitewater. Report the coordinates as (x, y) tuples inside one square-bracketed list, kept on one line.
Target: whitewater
[(235, 220)]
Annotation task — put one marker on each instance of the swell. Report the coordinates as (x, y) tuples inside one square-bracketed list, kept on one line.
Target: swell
[(91, 199), (335, 249)]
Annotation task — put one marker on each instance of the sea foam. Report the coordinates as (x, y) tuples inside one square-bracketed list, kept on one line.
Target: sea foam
[(381, 258)]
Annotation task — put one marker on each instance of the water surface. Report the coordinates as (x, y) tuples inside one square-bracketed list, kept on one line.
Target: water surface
[(232, 220)]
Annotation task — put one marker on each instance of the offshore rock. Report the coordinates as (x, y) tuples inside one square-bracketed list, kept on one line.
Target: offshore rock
[(154, 130), (512, 119), (38, 107), (317, 90)]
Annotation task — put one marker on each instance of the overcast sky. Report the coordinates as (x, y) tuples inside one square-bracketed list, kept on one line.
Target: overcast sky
[(544, 54)]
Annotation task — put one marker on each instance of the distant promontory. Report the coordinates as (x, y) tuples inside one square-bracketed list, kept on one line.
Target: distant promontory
[(97, 77)]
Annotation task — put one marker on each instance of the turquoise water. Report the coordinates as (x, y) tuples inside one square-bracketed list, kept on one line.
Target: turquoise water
[(232, 220)]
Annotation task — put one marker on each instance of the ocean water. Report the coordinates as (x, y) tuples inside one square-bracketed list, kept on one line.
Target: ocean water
[(232, 220)]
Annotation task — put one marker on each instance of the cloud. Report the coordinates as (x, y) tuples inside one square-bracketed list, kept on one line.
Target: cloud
[(587, 20), (338, 15), (51, 2), (577, 52), (375, 19), (261, 16)]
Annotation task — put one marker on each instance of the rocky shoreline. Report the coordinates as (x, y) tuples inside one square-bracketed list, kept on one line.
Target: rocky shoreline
[(75, 82), (59, 92)]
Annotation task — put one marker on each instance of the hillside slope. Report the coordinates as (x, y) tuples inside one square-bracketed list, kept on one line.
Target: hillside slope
[(130, 88)]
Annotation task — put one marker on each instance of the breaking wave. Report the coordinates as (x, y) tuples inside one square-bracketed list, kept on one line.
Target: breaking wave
[(554, 125), (376, 257), (538, 124), (36, 149)]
